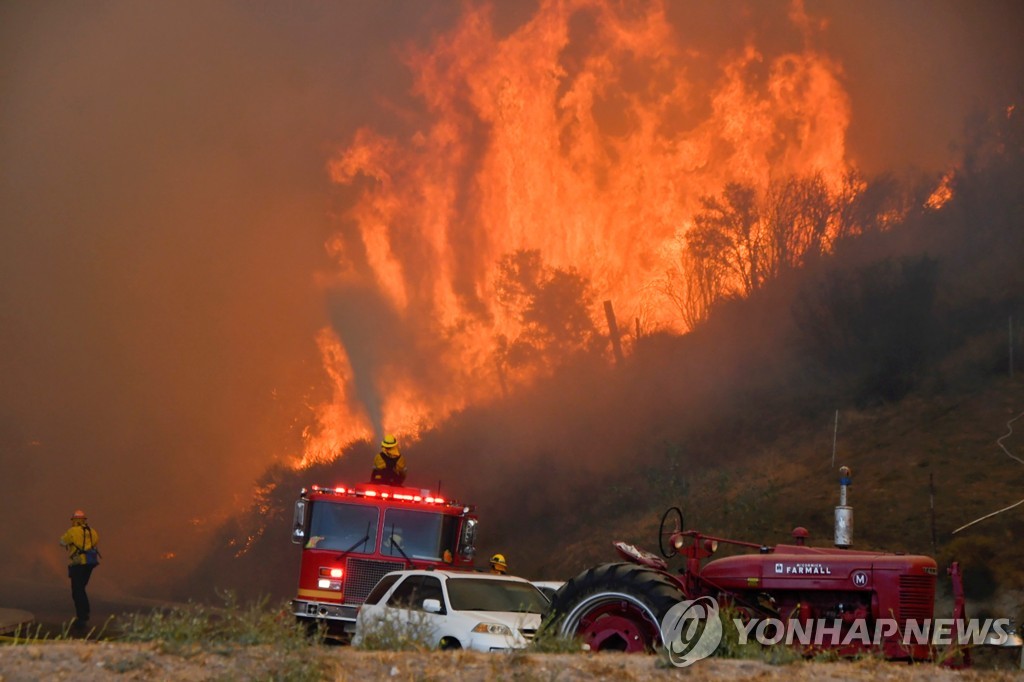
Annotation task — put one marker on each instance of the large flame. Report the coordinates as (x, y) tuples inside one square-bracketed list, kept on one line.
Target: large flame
[(580, 135)]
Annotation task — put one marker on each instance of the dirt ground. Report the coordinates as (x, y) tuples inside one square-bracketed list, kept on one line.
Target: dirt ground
[(90, 660)]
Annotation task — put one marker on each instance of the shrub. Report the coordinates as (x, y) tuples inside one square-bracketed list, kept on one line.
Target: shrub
[(397, 632), (549, 640), (196, 628)]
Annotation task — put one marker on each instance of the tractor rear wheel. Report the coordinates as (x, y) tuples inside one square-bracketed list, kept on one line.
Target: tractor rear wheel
[(615, 607)]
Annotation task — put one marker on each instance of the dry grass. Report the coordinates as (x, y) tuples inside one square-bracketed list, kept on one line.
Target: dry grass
[(101, 661), (760, 489)]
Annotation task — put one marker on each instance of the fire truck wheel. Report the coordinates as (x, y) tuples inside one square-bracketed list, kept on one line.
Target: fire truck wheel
[(311, 626), (615, 607)]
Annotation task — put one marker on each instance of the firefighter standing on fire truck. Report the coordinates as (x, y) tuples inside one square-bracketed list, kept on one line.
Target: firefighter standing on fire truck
[(388, 465)]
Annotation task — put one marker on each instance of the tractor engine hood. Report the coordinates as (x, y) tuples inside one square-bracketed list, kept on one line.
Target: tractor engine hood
[(796, 567)]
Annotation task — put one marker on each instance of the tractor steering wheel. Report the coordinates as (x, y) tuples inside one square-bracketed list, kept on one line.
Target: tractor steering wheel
[(671, 523)]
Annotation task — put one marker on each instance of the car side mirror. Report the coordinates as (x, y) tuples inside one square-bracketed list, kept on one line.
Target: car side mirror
[(432, 605)]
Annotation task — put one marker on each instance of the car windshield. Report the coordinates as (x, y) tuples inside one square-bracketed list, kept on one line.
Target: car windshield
[(483, 594), (420, 535), (344, 527)]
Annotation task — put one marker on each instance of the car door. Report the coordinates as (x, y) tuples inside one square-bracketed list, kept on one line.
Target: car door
[(372, 611), (431, 588), (405, 612)]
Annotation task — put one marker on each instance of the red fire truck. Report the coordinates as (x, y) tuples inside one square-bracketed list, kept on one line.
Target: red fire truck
[(352, 536)]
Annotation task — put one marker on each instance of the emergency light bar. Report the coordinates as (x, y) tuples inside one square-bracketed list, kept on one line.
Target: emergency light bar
[(423, 497)]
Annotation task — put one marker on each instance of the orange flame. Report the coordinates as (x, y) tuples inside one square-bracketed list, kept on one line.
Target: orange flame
[(942, 194), (590, 145)]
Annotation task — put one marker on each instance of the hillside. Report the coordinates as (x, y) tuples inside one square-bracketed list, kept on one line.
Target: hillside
[(898, 453), (754, 476), (912, 333)]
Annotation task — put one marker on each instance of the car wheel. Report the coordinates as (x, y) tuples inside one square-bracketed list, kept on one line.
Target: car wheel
[(449, 644)]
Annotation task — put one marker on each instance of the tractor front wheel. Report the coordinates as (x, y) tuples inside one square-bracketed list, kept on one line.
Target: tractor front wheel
[(616, 607)]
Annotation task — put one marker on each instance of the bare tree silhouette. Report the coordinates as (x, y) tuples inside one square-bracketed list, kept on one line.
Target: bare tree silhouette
[(552, 307)]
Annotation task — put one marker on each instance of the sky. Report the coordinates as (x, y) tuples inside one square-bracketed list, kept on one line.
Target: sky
[(165, 202)]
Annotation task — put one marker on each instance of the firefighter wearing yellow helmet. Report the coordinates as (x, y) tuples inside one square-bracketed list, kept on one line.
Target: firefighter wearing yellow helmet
[(498, 564), (388, 465)]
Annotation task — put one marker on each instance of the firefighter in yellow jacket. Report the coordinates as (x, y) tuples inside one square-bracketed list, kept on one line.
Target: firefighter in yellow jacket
[(83, 555), (388, 465)]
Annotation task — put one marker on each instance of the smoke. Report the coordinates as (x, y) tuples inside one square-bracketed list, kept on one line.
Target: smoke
[(166, 202), (380, 343), (917, 71), (166, 205)]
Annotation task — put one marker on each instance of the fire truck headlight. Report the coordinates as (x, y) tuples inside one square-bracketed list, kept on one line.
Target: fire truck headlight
[(493, 629), (324, 584)]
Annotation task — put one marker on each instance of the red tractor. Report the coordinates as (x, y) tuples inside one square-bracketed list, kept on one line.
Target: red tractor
[(352, 536), (842, 592)]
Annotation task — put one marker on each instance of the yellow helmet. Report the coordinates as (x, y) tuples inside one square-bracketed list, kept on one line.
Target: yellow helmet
[(389, 442), (498, 563)]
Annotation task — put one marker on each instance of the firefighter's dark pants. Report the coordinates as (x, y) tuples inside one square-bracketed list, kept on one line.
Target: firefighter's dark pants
[(79, 574)]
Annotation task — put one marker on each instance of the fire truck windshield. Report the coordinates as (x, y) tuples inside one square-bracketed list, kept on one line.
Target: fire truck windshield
[(420, 535), (344, 527)]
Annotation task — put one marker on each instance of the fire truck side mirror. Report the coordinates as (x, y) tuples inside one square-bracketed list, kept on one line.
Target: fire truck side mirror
[(467, 542), (299, 522)]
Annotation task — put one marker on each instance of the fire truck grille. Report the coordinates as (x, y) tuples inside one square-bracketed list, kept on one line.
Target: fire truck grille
[(362, 574), (917, 597)]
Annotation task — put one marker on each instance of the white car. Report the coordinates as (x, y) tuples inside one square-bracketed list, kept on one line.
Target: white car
[(453, 610), (548, 587)]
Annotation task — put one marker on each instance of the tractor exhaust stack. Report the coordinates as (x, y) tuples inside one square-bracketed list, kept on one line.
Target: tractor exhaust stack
[(844, 514)]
